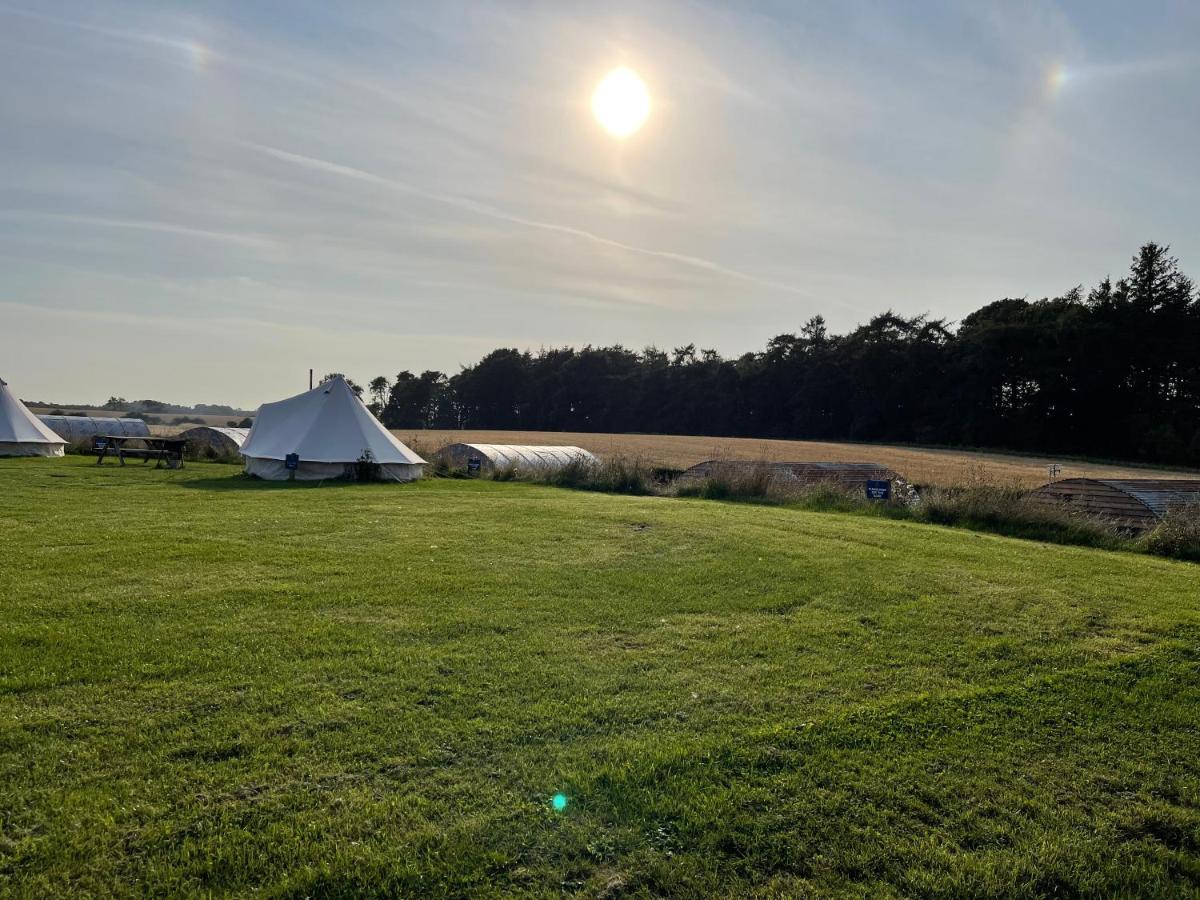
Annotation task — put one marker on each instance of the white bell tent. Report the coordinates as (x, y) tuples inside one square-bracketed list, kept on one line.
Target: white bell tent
[(329, 430), (21, 432)]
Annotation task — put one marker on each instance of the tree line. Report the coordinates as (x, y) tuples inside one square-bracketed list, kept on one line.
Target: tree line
[(1111, 372)]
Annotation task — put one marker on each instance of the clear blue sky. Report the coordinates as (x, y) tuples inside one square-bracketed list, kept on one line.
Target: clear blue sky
[(199, 202)]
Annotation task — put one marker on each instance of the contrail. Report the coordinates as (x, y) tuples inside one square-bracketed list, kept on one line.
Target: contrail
[(124, 34), (483, 209), (252, 240), (181, 49)]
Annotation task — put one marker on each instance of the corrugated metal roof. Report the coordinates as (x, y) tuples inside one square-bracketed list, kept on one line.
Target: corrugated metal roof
[(1135, 502), (236, 434), (213, 433), (1157, 493)]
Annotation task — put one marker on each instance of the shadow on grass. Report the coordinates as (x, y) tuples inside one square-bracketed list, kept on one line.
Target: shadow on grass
[(241, 482)]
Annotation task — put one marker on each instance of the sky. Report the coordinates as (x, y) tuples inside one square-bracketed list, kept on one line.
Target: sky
[(199, 202)]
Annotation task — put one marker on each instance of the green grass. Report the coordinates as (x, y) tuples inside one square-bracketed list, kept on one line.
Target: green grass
[(213, 686)]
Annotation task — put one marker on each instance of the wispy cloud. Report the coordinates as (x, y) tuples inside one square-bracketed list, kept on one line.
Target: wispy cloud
[(172, 228), (124, 34), (374, 171), (483, 209)]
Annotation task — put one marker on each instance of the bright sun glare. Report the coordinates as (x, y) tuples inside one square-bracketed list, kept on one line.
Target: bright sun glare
[(621, 102)]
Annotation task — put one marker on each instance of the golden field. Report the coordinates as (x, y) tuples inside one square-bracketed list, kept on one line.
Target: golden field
[(919, 465)]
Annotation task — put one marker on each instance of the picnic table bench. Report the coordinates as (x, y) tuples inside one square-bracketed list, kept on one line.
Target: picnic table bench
[(162, 450)]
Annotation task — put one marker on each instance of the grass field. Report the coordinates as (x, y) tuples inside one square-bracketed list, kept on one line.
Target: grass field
[(215, 686), (920, 465)]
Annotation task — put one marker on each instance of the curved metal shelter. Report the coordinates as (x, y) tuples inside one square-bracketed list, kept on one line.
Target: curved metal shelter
[(73, 429), (489, 457), (1135, 503), (213, 440)]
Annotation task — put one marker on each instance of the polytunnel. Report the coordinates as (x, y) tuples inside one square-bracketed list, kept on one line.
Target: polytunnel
[(492, 457), (76, 429)]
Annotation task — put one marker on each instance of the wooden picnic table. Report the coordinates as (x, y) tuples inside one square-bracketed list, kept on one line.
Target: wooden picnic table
[(167, 450)]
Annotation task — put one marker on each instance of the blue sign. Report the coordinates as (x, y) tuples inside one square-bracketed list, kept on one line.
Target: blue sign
[(291, 461), (474, 464), (101, 443), (879, 490)]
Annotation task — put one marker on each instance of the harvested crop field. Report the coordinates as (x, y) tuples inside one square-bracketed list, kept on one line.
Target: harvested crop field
[(920, 465)]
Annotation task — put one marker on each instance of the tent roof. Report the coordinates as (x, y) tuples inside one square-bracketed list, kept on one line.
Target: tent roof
[(18, 425), (327, 424)]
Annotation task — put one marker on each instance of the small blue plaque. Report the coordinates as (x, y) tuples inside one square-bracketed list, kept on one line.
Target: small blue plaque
[(474, 464), (879, 490), (291, 461)]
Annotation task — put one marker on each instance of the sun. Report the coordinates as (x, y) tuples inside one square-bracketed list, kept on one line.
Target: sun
[(621, 102)]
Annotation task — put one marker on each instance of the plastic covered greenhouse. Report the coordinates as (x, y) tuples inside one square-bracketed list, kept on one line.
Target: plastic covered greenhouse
[(75, 429), (492, 457)]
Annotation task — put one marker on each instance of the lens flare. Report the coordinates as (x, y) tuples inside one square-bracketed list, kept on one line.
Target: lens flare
[(559, 802), (1057, 78)]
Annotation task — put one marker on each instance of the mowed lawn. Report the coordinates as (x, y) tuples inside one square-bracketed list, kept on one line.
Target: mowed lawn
[(214, 686)]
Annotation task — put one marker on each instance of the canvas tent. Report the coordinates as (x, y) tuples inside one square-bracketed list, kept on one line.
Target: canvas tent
[(213, 441), (329, 429), (21, 433)]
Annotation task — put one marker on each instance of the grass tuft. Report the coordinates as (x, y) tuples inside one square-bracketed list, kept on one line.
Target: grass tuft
[(615, 475), (1177, 535), (736, 482), (977, 506), (1011, 512)]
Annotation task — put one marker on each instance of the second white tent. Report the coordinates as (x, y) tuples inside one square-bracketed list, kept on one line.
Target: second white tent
[(329, 429)]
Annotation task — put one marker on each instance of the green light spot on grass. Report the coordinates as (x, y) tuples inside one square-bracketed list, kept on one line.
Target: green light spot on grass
[(559, 802)]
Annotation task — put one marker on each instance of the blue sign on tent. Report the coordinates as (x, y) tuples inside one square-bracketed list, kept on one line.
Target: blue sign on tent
[(879, 490), (291, 461), (474, 464)]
